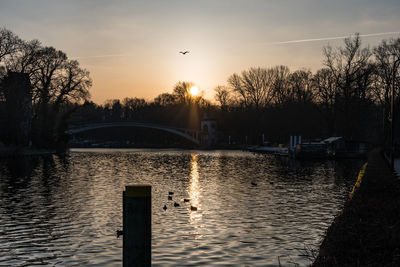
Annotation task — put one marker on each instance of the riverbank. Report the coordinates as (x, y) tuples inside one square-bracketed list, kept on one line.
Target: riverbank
[(153, 146), (13, 151), (367, 232)]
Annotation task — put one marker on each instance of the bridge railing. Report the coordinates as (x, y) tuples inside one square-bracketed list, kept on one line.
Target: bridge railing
[(190, 134)]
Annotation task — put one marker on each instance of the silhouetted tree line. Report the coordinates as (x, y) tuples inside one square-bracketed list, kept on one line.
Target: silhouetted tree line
[(179, 109), (349, 96), (55, 85)]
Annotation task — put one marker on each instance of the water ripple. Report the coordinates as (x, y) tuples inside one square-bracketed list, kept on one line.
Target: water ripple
[(65, 211)]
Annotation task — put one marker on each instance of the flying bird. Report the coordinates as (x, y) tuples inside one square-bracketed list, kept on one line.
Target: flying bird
[(184, 53)]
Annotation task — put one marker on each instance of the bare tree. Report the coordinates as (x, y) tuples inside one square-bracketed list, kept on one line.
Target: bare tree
[(56, 82), (351, 68), (385, 56), (254, 86), (182, 92), (165, 99), (348, 65), (9, 43), (133, 107), (235, 82), (300, 85), (72, 85), (324, 88), (24, 59), (49, 67), (280, 80), (113, 109), (222, 96)]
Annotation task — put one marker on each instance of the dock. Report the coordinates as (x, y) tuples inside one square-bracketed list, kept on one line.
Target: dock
[(283, 151)]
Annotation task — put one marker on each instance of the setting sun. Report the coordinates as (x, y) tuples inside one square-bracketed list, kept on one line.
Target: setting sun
[(194, 91)]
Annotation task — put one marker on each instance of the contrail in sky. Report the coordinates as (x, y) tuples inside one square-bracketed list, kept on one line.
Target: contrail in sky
[(329, 38), (271, 43)]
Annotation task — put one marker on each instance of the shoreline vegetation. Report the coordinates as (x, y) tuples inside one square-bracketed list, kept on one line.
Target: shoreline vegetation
[(367, 231), (349, 96), (15, 151)]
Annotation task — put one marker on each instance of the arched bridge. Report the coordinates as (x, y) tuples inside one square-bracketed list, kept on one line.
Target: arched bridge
[(191, 135)]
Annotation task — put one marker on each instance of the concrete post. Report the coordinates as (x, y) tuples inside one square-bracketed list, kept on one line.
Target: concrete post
[(137, 226)]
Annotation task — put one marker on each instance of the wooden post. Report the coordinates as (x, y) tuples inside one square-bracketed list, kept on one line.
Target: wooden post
[(137, 225)]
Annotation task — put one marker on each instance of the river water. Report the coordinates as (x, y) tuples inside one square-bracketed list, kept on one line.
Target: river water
[(65, 210)]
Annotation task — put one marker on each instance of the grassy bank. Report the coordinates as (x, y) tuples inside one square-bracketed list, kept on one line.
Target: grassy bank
[(367, 231)]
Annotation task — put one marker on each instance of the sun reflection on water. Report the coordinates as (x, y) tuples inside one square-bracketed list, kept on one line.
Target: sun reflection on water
[(79, 199), (194, 189)]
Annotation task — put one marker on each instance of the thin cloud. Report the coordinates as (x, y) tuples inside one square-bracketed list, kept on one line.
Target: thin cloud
[(329, 38), (99, 56)]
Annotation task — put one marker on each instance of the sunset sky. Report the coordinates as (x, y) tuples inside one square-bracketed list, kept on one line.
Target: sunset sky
[(131, 48)]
